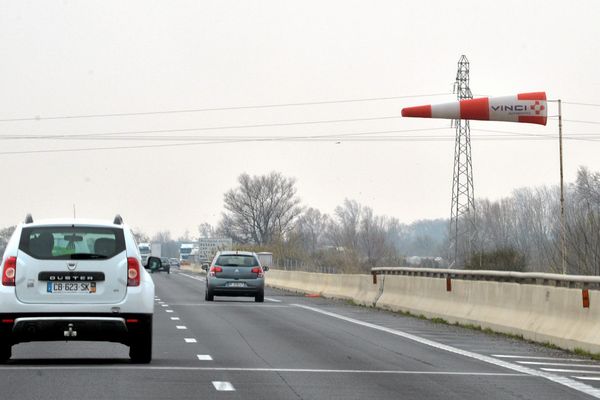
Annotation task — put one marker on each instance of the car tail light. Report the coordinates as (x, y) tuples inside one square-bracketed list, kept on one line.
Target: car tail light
[(9, 271), (258, 271), (133, 272), (213, 270)]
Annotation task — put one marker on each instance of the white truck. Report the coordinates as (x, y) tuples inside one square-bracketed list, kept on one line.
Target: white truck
[(149, 250)]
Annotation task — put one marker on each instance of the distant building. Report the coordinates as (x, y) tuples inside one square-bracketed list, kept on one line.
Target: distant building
[(207, 247)]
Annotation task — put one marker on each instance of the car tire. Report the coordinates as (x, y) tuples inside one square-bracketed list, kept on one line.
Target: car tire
[(5, 352), (260, 298), (209, 295), (168, 270), (140, 349)]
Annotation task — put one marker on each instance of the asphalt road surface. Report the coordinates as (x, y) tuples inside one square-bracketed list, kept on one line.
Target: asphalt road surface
[(293, 347)]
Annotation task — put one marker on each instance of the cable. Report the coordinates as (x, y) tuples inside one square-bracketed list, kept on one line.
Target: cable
[(38, 118), (581, 104), (200, 129)]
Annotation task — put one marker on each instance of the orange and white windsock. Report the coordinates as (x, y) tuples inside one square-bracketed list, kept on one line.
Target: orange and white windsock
[(524, 107)]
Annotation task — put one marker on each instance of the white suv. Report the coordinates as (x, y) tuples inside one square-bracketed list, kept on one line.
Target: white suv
[(71, 279)]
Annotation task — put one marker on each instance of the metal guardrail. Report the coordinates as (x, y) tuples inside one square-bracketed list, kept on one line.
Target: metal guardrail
[(531, 278)]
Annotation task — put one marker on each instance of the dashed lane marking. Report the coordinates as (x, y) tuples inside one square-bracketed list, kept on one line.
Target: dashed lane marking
[(586, 378), (272, 299), (169, 311), (571, 371), (174, 318), (190, 340), (204, 357), (223, 386), (193, 277), (561, 380), (181, 327), (551, 364), (536, 357)]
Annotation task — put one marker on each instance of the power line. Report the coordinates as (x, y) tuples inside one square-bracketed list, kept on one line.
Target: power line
[(581, 104), (196, 110), (53, 136)]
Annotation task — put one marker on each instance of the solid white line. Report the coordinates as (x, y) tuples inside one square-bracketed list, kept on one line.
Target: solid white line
[(561, 380), (181, 327), (223, 386), (273, 300), (571, 371), (168, 310), (537, 358), (265, 370), (190, 340), (204, 357), (560, 364), (174, 318), (586, 378)]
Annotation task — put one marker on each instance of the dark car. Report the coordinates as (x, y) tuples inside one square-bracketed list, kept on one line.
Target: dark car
[(165, 265), (235, 273), (175, 262)]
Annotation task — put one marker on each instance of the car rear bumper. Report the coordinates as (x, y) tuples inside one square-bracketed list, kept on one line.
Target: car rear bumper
[(221, 287), (119, 328)]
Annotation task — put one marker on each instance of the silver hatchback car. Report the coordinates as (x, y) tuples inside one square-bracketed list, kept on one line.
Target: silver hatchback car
[(235, 273)]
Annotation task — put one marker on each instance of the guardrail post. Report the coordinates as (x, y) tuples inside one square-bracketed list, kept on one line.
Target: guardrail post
[(374, 278), (448, 284)]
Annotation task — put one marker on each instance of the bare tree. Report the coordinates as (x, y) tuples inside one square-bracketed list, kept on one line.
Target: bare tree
[(5, 234), (261, 209), (140, 237), (311, 228), (206, 230)]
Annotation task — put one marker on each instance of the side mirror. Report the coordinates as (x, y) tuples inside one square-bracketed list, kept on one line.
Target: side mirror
[(265, 268), (153, 264), (205, 267)]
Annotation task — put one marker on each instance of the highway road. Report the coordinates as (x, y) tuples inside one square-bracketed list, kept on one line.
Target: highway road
[(293, 347)]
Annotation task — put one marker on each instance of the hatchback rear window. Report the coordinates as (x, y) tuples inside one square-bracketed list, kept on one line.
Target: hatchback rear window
[(72, 243), (237, 260)]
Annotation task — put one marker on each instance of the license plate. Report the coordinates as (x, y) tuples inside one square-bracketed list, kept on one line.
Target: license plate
[(236, 284), (71, 287)]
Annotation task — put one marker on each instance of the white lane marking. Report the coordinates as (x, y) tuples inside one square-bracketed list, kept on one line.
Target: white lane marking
[(586, 378), (265, 370), (536, 358), (561, 380), (550, 364), (571, 371), (164, 305), (190, 340), (181, 327), (204, 357), (169, 311), (193, 277), (174, 318), (223, 386), (249, 303), (272, 299)]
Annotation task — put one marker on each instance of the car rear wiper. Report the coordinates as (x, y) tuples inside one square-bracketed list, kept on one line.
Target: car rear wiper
[(87, 256)]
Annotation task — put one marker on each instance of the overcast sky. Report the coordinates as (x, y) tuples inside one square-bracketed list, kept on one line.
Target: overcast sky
[(72, 58)]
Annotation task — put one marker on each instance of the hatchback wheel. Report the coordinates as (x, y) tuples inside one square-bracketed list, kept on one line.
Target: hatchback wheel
[(259, 298), (209, 296)]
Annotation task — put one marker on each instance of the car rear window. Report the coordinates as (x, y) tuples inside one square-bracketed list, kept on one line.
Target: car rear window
[(71, 243), (237, 260)]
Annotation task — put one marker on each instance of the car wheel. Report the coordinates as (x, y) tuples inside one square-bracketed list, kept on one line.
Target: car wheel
[(140, 349), (209, 296), (168, 270), (259, 298), (5, 352)]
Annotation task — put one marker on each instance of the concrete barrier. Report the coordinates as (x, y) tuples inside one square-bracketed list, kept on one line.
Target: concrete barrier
[(545, 314)]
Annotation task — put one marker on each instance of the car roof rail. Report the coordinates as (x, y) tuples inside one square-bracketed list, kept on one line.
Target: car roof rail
[(118, 220), (28, 219)]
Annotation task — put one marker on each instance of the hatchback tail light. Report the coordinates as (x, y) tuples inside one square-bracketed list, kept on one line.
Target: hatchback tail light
[(9, 271), (133, 272), (258, 271), (213, 270)]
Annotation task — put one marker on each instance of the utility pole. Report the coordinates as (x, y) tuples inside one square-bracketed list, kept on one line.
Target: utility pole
[(563, 249), (462, 228)]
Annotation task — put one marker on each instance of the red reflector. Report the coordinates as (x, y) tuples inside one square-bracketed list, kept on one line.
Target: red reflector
[(8, 321), (132, 321)]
